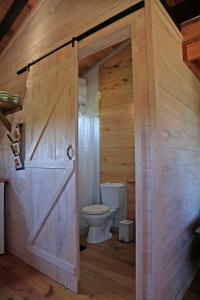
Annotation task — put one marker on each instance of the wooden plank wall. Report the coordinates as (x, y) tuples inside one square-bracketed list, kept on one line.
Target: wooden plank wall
[(176, 204), (53, 22), (144, 168), (116, 110), (143, 162), (45, 29)]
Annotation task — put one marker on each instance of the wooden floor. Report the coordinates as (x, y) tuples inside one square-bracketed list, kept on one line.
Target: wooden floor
[(194, 291), (107, 272)]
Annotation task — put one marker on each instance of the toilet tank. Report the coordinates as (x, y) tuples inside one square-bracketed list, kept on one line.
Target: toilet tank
[(113, 194)]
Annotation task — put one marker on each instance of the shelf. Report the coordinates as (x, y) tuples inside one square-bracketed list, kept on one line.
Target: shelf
[(7, 108), (130, 181)]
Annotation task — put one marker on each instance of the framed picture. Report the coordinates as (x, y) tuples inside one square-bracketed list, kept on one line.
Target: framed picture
[(16, 148), (18, 163), (17, 133)]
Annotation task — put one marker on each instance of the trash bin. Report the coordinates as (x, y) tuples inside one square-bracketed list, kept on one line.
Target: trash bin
[(126, 231)]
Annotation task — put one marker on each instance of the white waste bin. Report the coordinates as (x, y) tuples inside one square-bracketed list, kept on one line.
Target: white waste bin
[(126, 231)]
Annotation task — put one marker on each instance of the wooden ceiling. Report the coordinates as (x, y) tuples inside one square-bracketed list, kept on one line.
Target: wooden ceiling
[(191, 45), (183, 10), (12, 16), (4, 6), (173, 2), (88, 62)]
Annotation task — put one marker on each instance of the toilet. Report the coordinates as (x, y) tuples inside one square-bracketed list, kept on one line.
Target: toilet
[(99, 217)]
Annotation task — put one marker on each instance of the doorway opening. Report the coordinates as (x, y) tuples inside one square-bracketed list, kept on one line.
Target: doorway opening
[(106, 172)]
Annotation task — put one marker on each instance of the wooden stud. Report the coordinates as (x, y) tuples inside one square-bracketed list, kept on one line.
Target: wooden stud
[(5, 122), (193, 51)]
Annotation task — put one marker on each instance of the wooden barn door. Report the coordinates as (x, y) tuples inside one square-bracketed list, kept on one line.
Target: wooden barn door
[(51, 193)]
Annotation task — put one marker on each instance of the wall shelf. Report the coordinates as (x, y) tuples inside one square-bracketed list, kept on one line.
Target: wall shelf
[(7, 108), (130, 181)]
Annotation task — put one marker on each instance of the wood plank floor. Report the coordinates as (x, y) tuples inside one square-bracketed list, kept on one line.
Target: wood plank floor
[(107, 272), (193, 292)]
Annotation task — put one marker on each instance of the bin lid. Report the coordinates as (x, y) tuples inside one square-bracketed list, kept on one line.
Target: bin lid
[(126, 222)]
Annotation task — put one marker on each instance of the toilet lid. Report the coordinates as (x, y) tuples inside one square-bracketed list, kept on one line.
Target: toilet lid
[(95, 209)]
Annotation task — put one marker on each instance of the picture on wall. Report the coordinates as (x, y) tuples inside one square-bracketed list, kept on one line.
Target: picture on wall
[(17, 147), (18, 163)]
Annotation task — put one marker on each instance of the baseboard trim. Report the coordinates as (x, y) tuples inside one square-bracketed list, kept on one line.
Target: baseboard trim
[(114, 229), (83, 230)]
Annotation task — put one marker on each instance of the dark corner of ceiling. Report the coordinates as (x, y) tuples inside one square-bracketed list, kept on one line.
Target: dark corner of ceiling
[(11, 15), (183, 11)]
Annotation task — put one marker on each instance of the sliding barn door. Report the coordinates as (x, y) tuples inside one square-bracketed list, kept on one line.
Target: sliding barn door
[(52, 209)]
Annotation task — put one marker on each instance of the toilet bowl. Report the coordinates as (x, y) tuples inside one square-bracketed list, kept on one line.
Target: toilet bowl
[(99, 217)]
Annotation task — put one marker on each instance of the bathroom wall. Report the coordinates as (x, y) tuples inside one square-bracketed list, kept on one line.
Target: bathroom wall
[(176, 147), (117, 123), (51, 24)]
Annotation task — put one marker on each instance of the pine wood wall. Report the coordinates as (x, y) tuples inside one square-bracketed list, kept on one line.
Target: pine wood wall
[(117, 123), (175, 111), (172, 129), (52, 23), (44, 30)]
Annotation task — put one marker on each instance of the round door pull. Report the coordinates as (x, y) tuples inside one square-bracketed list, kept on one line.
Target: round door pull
[(70, 152)]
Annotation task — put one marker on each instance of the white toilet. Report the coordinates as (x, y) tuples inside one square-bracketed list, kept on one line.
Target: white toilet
[(99, 217)]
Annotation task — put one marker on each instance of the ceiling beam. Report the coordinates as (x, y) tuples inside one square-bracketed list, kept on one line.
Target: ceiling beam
[(173, 2), (191, 45), (186, 10), (193, 51), (11, 15), (182, 10)]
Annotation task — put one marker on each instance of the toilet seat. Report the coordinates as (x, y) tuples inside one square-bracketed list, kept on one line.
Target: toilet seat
[(95, 209)]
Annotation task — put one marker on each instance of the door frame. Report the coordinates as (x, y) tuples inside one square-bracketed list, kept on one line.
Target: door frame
[(132, 27)]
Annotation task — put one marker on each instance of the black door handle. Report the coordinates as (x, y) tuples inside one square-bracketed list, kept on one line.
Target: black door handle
[(70, 152)]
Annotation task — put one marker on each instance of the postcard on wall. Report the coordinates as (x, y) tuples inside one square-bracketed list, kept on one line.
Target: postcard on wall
[(17, 134), (18, 163), (16, 148)]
